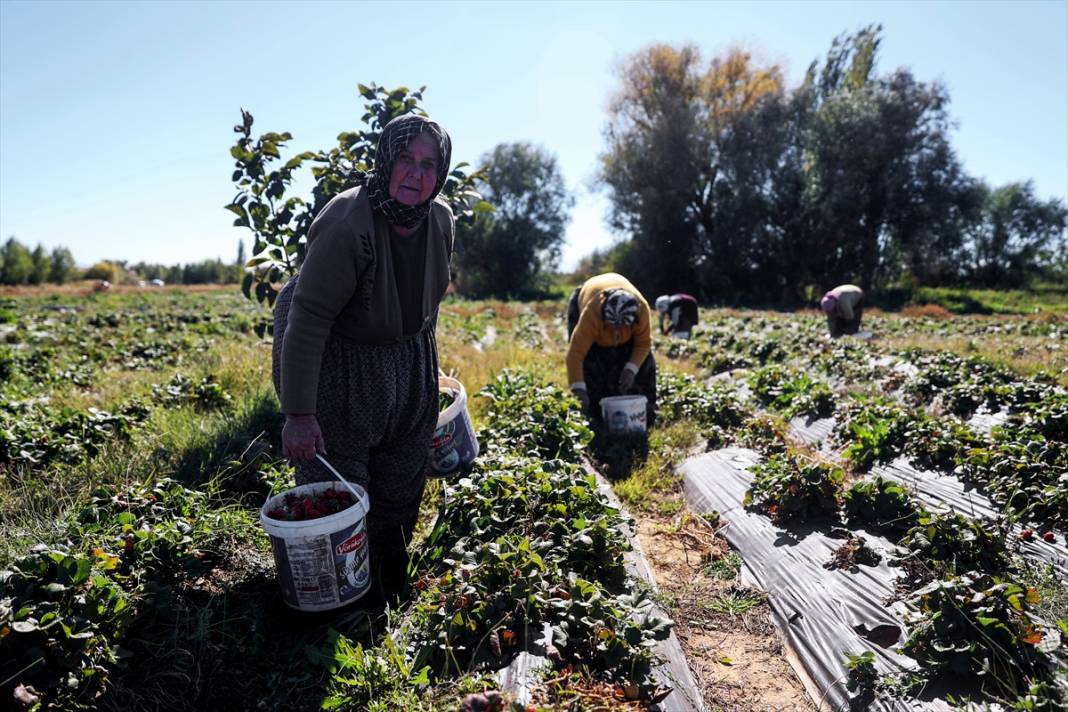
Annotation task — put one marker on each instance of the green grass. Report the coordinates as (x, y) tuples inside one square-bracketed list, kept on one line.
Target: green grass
[(734, 601), (1042, 299)]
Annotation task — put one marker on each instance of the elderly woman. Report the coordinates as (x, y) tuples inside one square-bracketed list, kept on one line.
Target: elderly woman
[(844, 306), (355, 359), (610, 343)]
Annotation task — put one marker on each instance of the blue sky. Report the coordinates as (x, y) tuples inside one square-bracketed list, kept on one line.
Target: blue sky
[(116, 118)]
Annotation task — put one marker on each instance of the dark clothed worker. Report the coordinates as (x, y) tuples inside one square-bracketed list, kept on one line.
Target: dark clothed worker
[(843, 306), (355, 360), (678, 314), (610, 347)]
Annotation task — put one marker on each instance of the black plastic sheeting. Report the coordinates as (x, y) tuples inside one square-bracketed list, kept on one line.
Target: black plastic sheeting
[(944, 491), (821, 612)]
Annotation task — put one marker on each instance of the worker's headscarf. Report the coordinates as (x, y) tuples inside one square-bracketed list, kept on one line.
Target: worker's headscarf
[(620, 308), (396, 136), (663, 302), (829, 304)]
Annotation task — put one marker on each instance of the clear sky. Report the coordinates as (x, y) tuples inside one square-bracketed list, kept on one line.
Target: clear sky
[(116, 118)]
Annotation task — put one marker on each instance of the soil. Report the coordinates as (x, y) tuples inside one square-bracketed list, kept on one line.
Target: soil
[(737, 660)]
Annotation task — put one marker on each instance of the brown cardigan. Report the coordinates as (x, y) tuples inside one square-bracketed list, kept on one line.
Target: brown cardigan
[(347, 289)]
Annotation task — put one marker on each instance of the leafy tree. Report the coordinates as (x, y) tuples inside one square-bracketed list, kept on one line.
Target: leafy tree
[(737, 188), (663, 161), (41, 263), (1015, 238), (105, 270), (17, 262), (62, 266), (279, 222), (510, 250), (883, 188)]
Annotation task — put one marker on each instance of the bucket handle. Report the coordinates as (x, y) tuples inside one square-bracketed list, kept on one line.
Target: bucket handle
[(362, 499), (342, 480)]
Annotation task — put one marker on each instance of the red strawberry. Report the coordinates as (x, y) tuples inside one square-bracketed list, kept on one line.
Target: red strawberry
[(1026, 535), (1048, 536)]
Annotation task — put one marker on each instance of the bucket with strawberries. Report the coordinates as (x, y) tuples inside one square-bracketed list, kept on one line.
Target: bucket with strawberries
[(319, 539)]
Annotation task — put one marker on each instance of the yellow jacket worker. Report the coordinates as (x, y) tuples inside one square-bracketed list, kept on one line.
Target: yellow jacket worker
[(610, 347)]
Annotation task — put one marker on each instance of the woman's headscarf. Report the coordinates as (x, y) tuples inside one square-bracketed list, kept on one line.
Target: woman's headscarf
[(829, 304), (620, 308), (396, 136)]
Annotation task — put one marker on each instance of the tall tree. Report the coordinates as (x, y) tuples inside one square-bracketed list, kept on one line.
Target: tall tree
[(510, 251), (41, 263), (662, 166), (17, 262), (62, 266), (1015, 238)]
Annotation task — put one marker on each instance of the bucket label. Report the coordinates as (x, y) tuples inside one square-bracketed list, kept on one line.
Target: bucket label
[(351, 561), (621, 421), (351, 544), (453, 445), (323, 571)]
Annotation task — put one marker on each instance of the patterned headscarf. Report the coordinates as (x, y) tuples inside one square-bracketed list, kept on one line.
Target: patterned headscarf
[(620, 308), (396, 136)]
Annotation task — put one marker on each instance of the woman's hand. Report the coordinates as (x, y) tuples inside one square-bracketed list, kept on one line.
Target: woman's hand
[(301, 438)]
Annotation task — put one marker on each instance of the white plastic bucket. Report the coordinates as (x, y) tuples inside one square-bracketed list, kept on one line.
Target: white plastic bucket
[(624, 414), (453, 445), (322, 563)]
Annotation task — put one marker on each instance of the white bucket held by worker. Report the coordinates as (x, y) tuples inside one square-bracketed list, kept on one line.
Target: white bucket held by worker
[(624, 415), (322, 563), (453, 446)]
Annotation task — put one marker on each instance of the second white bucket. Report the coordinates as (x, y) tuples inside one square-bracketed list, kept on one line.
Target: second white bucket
[(453, 445), (624, 414)]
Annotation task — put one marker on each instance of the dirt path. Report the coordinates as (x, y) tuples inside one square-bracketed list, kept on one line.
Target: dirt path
[(732, 647)]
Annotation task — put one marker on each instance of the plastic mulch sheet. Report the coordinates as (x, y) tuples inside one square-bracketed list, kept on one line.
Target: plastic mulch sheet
[(945, 491), (821, 612)]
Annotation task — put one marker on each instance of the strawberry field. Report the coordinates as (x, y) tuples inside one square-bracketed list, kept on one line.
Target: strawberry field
[(811, 523)]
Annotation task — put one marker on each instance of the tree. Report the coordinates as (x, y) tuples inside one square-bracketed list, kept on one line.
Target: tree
[(105, 270), (41, 263), (279, 222), (735, 187), (17, 262), (663, 163), (510, 250), (1015, 238), (883, 189), (62, 265)]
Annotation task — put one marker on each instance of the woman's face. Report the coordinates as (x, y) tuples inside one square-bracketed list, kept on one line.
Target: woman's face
[(415, 172)]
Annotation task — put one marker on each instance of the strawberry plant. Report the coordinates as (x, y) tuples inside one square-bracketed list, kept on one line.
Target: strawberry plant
[(1023, 472), (853, 551), (875, 432), (207, 394), (788, 489), (792, 392), (881, 504), (980, 627), (527, 415), (861, 675), (60, 619), (936, 443), (953, 544), (65, 610), (714, 408)]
